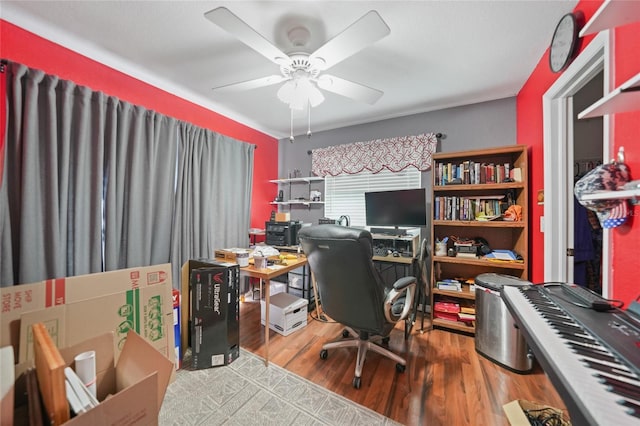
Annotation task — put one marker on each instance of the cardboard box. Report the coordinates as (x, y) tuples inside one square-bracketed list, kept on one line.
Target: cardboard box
[(283, 217), (288, 313), (19, 299), (146, 310), (176, 328), (225, 255), (6, 385), (515, 411), (135, 385), (215, 316)]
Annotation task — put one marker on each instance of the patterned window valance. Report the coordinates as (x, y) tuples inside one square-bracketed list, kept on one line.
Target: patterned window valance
[(394, 154)]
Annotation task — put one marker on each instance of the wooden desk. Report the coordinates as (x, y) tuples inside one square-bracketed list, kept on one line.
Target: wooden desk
[(266, 275), (394, 259)]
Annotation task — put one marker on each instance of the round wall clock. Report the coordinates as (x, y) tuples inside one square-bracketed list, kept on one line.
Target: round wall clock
[(563, 43)]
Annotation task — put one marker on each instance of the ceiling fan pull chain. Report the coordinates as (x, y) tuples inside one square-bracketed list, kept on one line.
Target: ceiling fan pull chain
[(309, 120), (291, 138)]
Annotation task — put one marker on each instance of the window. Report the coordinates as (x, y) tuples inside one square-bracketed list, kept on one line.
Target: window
[(344, 194)]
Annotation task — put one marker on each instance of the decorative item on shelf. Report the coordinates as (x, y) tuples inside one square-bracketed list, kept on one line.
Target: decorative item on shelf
[(610, 177), (315, 195), (441, 247), (513, 213)]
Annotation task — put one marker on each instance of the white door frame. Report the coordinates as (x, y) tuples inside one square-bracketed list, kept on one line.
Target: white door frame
[(558, 154)]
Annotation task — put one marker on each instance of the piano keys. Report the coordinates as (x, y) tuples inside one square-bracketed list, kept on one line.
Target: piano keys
[(592, 358)]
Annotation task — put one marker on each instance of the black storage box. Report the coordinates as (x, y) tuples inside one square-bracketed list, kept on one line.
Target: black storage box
[(215, 315)]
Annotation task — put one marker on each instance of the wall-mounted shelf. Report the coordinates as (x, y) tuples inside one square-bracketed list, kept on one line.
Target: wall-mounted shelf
[(613, 195), (291, 199), (298, 180), (612, 14), (296, 202), (622, 99), (631, 192), (626, 97)]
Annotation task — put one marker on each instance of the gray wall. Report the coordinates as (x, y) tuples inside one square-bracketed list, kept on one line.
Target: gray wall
[(476, 126)]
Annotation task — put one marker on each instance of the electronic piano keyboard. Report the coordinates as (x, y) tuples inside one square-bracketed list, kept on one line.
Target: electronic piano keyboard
[(592, 358)]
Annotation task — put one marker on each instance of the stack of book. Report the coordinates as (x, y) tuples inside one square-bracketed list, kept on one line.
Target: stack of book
[(474, 173), (449, 284), (467, 314), (446, 310)]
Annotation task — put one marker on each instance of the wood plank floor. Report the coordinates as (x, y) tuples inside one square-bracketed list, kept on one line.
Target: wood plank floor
[(446, 381)]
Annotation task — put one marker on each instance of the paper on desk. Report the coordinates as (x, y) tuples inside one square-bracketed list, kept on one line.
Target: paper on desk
[(275, 267)]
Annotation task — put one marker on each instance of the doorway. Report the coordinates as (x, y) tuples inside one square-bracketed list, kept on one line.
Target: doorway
[(585, 236), (560, 106)]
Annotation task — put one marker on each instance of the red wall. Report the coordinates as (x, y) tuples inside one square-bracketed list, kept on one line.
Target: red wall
[(29, 49), (626, 238)]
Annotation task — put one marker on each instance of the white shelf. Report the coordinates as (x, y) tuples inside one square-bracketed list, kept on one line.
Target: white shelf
[(296, 202), (623, 99), (300, 179), (613, 195), (611, 14)]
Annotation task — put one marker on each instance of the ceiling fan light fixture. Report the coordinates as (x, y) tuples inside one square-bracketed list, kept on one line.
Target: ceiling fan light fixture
[(300, 92), (315, 96), (286, 91)]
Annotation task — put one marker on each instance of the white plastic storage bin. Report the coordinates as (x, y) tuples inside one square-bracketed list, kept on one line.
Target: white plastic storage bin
[(288, 313)]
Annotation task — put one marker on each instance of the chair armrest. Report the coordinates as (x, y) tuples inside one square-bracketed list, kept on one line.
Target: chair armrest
[(404, 282), (404, 287)]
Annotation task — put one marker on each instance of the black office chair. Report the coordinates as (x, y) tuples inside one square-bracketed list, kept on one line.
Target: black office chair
[(353, 293)]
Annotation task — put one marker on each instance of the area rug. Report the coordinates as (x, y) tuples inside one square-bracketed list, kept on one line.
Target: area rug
[(247, 393)]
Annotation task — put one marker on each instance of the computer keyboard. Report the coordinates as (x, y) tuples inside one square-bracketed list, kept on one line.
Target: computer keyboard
[(587, 297)]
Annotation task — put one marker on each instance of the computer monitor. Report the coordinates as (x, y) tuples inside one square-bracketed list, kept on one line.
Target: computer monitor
[(400, 208)]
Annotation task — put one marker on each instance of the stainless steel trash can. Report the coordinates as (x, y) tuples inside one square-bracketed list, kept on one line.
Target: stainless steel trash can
[(496, 336)]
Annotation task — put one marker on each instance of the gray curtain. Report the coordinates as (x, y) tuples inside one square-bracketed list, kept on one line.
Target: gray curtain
[(50, 196), (140, 151), (89, 184), (213, 195)]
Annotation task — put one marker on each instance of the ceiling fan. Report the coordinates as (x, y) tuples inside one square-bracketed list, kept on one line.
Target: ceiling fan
[(302, 72)]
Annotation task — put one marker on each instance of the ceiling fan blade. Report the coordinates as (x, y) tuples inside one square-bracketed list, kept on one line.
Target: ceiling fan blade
[(365, 31), (235, 26), (349, 89), (250, 84)]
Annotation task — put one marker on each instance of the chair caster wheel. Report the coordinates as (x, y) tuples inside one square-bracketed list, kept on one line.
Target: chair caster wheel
[(324, 354), (345, 333), (356, 382), (400, 368)]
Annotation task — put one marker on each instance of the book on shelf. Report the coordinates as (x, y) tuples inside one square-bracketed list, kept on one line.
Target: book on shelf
[(447, 307), (467, 255), (468, 310), (445, 316), (466, 317), (450, 285), (501, 255), (471, 172), (516, 174)]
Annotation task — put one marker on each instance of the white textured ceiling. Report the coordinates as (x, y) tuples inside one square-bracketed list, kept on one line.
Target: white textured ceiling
[(439, 54)]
